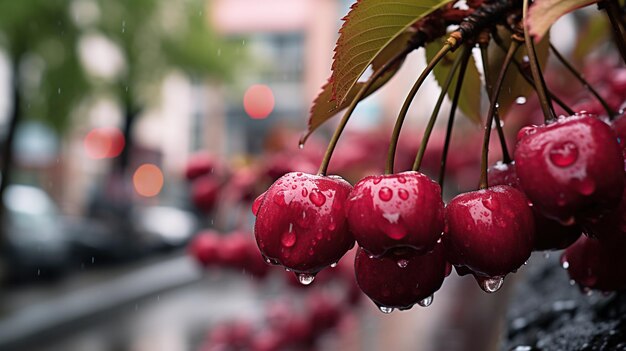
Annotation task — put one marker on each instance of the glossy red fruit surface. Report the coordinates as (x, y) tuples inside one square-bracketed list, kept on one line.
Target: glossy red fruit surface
[(594, 265), (400, 278), (570, 168), (301, 222), (619, 127), (396, 210), (549, 234), (612, 227), (489, 231), (204, 193)]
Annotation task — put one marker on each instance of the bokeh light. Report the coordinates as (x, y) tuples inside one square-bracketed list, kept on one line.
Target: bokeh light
[(258, 101), (148, 180), (105, 142)]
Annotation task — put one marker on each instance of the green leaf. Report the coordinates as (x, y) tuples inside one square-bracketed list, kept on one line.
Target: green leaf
[(469, 100), (514, 84), (543, 13), (369, 27), (324, 108)]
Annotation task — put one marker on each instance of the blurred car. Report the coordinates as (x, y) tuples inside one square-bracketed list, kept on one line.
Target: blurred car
[(36, 244)]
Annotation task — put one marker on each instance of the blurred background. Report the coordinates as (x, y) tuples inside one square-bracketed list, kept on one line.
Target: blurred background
[(128, 127)]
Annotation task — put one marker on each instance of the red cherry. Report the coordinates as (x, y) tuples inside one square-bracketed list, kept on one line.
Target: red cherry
[(571, 167), (490, 231), (619, 127), (594, 265), (549, 234), (612, 227), (200, 164), (400, 278), (204, 193), (396, 210), (205, 247), (301, 223)]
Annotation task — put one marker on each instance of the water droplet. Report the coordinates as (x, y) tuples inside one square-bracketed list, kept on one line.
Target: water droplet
[(402, 263), (377, 180), (385, 193), (403, 194), (426, 302), (401, 179), (301, 145), (299, 174), (565, 264), (294, 187), (289, 238), (525, 131), (564, 154), (279, 199), (546, 254), (332, 226), (520, 100), (333, 265), (385, 309), (305, 278), (317, 198), (305, 192), (490, 285), (570, 221)]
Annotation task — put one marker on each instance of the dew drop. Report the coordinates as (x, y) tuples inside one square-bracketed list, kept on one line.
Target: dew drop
[(279, 199), (294, 187), (289, 238), (305, 192), (490, 285), (403, 194), (385, 193), (332, 226), (401, 179), (377, 180), (426, 302), (565, 264), (586, 186), (301, 145), (317, 198), (520, 100), (305, 279), (402, 263), (385, 309), (546, 254), (564, 154), (333, 265)]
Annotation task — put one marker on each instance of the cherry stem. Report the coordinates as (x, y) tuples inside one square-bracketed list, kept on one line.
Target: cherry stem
[(515, 44), (540, 85), (506, 157), (433, 117), (450, 44), (617, 24), (344, 120), (582, 80), (467, 51), (529, 79)]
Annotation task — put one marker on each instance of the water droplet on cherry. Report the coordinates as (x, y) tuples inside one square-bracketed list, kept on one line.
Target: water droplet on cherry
[(426, 302), (333, 265), (490, 285), (385, 193), (317, 198), (403, 194), (564, 154), (305, 278), (402, 263), (385, 309)]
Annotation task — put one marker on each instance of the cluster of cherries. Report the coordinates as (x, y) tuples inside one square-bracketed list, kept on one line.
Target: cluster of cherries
[(567, 179)]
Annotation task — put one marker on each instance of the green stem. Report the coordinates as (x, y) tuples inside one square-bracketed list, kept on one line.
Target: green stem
[(407, 103), (467, 51), (582, 80), (529, 78), (492, 109), (433, 117), (344, 120), (506, 157), (613, 12), (540, 84)]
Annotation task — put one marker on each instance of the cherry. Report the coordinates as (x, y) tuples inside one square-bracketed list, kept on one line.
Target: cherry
[(204, 193), (301, 223), (594, 265), (396, 210), (571, 167), (612, 227), (401, 277), (619, 127), (205, 247), (201, 164), (549, 234), (239, 251), (489, 231)]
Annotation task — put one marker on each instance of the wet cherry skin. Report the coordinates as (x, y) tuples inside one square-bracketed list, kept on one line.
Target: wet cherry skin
[(571, 168), (301, 222), (596, 265), (489, 231), (396, 211), (549, 234), (401, 277)]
